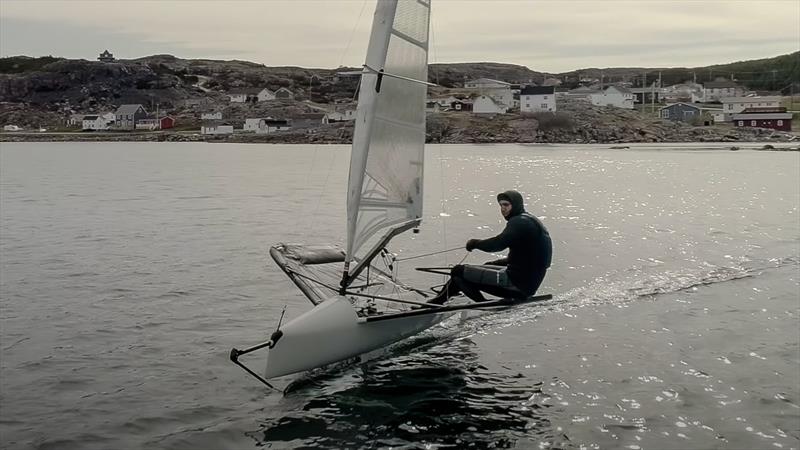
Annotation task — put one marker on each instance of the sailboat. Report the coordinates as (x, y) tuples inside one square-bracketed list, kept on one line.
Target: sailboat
[(359, 305)]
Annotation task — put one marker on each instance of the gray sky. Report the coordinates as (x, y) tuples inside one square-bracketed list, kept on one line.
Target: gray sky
[(548, 36)]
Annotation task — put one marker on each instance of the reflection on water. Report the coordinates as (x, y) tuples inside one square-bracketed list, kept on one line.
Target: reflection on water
[(440, 398)]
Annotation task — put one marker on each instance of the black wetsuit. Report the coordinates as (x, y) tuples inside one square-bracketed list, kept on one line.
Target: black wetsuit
[(530, 252)]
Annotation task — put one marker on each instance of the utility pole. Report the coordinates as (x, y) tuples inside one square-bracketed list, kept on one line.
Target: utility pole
[(773, 79), (694, 76)]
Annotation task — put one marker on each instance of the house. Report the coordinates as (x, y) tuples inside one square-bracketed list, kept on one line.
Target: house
[(216, 129), (484, 104), (161, 123), (648, 95), (11, 128), (774, 118), (265, 95), (309, 120), (487, 83), (461, 105), (503, 96), (270, 125), (251, 125), (444, 102), (616, 96), (537, 98), (582, 93), (126, 116), (342, 114), (92, 122), (75, 120), (715, 91), (106, 57), (733, 105), (432, 106), (211, 116), (284, 94), (682, 112), (244, 95)]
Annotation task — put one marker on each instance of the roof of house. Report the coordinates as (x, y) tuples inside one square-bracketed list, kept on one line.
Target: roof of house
[(621, 89), (128, 109), (679, 103), (309, 116), (750, 99), (245, 91), (90, 117), (757, 116), (537, 90), (764, 110), (720, 84), (283, 89)]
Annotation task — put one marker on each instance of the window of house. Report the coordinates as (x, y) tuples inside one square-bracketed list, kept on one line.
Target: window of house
[(730, 106), (780, 123), (527, 105), (544, 105), (545, 97), (741, 123), (752, 123), (665, 114)]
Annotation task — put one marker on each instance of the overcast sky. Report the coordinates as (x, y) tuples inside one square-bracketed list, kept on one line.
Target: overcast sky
[(547, 36)]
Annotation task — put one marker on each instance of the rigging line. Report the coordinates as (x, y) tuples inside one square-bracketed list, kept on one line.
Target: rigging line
[(433, 44), (429, 254), (309, 228), (352, 33), (324, 187), (442, 202)]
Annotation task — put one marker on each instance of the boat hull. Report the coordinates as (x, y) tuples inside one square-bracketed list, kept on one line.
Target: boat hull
[(332, 332)]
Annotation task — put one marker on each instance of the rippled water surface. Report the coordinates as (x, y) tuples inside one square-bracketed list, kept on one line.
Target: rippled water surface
[(128, 271)]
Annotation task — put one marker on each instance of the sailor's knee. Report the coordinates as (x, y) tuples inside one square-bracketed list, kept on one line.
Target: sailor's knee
[(457, 271)]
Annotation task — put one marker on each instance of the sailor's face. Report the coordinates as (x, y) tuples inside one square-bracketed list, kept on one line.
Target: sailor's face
[(505, 208)]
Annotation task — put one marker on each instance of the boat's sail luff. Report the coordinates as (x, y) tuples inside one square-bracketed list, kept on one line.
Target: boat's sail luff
[(386, 167)]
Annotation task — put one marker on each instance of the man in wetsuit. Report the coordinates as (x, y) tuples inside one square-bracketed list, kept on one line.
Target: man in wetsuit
[(518, 276)]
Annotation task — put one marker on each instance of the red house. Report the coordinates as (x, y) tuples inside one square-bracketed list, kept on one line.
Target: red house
[(166, 122), (774, 118)]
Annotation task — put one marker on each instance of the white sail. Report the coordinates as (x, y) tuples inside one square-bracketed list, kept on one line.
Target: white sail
[(386, 165)]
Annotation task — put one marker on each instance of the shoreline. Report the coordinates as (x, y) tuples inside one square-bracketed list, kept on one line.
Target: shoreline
[(311, 139)]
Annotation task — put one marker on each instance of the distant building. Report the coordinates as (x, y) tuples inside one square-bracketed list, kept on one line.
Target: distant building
[(11, 128), (161, 123), (646, 95), (682, 112), (106, 57), (309, 120), (97, 122), (738, 104), (265, 95), (216, 129), (126, 116), (211, 116), (582, 93), (432, 106), (537, 99), (715, 91), (774, 118), (284, 94), (342, 114), (244, 95), (75, 120), (269, 125), (484, 104), (461, 105), (616, 96)]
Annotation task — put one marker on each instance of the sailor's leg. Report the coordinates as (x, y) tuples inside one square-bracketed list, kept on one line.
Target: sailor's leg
[(490, 279)]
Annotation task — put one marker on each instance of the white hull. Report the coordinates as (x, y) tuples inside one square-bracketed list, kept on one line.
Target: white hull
[(332, 332)]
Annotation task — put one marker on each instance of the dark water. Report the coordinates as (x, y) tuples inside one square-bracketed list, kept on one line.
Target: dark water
[(128, 271)]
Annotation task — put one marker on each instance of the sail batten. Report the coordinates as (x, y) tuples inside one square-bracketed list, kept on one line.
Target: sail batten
[(386, 170)]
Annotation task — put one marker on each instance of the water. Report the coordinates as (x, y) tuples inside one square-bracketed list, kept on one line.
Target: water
[(129, 270)]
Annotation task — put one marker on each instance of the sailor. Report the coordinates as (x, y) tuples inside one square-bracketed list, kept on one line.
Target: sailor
[(517, 276)]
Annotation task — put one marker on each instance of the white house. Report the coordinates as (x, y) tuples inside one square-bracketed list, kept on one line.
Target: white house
[(486, 83), (270, 125), (582, 93), (216, 129), (251, 125), (244, 95), (616, 96), (443, 102), (432, 106), (504, 96), (735, 105), (715, 91), (342, 114), (265, 95), (484, 104), (537, 98), (96, 122), (211, 116)]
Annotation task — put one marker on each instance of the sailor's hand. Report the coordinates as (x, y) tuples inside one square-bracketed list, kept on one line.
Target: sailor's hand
[(471, 244)]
